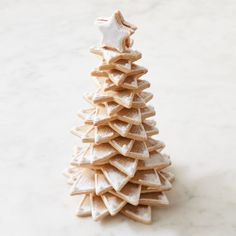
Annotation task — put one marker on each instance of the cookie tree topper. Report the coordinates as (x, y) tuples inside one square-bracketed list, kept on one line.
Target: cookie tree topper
[(115, 31), (119, 167)]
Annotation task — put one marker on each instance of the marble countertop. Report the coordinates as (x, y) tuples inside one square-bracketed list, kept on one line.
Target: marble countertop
[(190, 51)]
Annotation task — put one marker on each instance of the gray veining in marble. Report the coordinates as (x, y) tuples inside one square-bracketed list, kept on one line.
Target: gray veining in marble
[(189, 49)]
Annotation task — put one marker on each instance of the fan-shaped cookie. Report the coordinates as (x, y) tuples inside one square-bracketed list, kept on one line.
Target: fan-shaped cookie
[(125, 164), (103, 134), (84, 208), (113, 203), (130, 193), (154, 199), (122, 145), (147, 178), (98, 207), (84, 182), (120, 127), (96, 154), (154, 145), (113, 108), (138, 213), (139, 150), (115, 177), (85, 132), (101, 183), (131, 116), (156, 161), (150, 129)]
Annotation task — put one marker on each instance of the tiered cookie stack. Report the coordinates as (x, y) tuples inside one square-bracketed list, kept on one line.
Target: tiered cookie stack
[(119, 168)]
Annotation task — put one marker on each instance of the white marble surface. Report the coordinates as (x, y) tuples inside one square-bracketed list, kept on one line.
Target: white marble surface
[(189, 49)]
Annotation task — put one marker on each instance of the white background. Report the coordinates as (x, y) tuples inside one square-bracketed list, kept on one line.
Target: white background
[(189, 50)]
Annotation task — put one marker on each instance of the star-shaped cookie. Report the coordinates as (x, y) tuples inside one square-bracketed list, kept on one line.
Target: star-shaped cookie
[(115, 31)]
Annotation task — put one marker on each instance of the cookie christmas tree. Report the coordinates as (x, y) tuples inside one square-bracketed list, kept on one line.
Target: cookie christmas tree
[(119, 167)]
